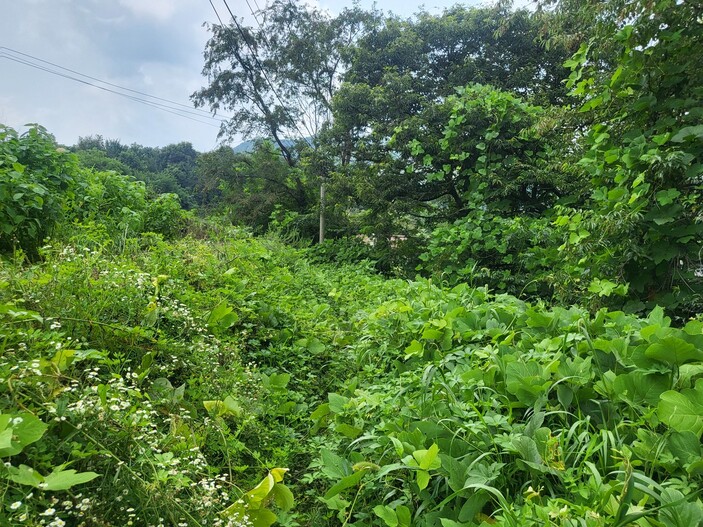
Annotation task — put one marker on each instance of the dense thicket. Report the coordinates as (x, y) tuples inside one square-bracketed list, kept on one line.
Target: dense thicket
[(220, 379), (552, 153), (154, 367)]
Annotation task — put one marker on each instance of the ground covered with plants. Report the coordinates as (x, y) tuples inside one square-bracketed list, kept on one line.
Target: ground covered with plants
[(503, 326), (207, 377)]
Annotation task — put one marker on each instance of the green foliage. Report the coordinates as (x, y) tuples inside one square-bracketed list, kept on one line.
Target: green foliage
[(343, 251), (475, 410), (36, 180), (165, 216), (44, 190), (487, 247), (643, 222)]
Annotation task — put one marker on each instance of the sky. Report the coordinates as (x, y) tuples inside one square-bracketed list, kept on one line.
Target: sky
[(154, 47)]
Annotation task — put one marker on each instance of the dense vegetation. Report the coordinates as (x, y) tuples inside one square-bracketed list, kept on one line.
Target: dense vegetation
[(504, 328)]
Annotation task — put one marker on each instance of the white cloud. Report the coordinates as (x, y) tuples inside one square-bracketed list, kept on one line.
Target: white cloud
[(161, 10)]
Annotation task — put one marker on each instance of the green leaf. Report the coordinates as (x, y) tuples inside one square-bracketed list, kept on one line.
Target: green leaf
[(387, 514), (283, 497), (337, 402), (352, 432), (677, 511), (673, 350), (231, 406), (423, 479), (255, 497), (683, 411), (666, 197), (688, 132), (527, 381), (6, 438), (345, 483), (432, 334), (334, 466), (415, 348), (427, 459), (262, 517), (639, 388), (527, 449), (403, 514), (279, 380), (320, 412), (25, 475), (26, 429), (65, 479)]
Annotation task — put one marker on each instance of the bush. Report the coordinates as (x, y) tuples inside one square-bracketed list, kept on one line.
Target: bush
[(165, 216), (36, 180)]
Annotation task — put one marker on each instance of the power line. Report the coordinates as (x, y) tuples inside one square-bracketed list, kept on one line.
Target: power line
[(189, 107), (268, 45), (175, 111), (261, 69)]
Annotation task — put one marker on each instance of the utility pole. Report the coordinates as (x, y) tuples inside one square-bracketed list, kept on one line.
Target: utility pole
[(322, 209)]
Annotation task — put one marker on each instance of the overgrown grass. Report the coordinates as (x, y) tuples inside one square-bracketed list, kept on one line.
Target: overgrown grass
[(158, 382)]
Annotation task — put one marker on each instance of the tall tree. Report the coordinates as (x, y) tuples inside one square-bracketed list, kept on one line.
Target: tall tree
[(278, 78)]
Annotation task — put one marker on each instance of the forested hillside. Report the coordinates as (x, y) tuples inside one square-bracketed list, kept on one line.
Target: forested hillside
[(503, 324)]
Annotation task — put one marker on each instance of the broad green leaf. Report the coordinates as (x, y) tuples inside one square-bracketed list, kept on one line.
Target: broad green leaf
[(222, 316), (683, 411), (65, 479), (673, 350), (26, 429), (283, 497), (214, 407), (423, 479), (398, 446), (527, 381), (666, 197), (526, 447), (427, 459), (415, 348), (6, 439), (63, 359), (279, 380), (387, 514), (432, 334), (320, 412), (256, 496), (345, 483), (352, 432), (688, 132), (685, 446), (278, 473), (446, 522), (337, 402), (404, 516), (232, 406), (261, 517), (334, 466), (25, 475), (639, 388), (677, 511)]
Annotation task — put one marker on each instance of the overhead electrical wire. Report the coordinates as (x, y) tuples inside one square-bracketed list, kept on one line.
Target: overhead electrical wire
[(262, 71), (160, 106), (268, 45), (32, 57)]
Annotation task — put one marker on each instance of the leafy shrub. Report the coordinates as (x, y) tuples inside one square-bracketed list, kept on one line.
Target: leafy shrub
[(481, 410), (487, 247), (341, 251), (36, 179), (165, 216)]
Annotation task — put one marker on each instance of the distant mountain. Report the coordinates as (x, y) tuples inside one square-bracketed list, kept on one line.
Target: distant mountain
[(248, 146)]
